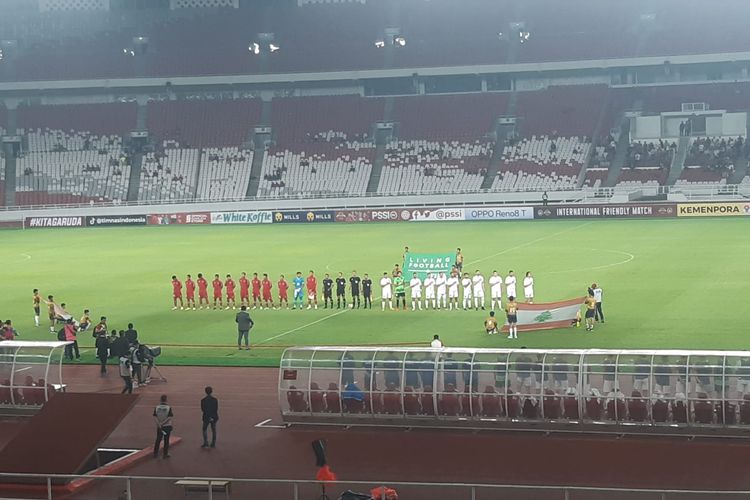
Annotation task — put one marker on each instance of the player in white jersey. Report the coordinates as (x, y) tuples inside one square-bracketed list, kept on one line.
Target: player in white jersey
[(466, 284), (429, 291), (415, 285), (453, 282), (510, 285), (528, 288), (496, 289), (386, 292), (478, 290), (440, 285)]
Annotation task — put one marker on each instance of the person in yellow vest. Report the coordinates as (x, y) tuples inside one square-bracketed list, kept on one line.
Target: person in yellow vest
[(590, 303), (490, 324)]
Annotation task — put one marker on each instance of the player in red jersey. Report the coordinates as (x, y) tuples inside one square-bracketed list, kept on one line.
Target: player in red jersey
[(190, 290), (256, 291), (267, 297), (176, 292), (202, 291), (283, 292), (218, 285), (312, 290), (229, 285), (244, 290)]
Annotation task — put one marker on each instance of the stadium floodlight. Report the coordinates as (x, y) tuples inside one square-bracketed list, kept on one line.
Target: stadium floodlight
[(1, 55), (399, 41), (273, 48), (524, 36), (129, 52), (379, 44), (254, 48)]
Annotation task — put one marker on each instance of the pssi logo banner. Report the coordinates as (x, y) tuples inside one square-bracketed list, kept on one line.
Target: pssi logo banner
[(499, 213), (180, 218), (241, 217), (424, 263), (305, 216), (729, 209), (437, 214), (41, 222)]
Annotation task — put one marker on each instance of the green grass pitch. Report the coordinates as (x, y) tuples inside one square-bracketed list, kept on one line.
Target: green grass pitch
[(667, 283)]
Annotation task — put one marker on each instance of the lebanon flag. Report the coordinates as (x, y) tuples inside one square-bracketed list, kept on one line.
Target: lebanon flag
[(546, 316)]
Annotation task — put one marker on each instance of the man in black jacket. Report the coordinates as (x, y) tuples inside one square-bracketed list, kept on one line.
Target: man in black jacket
[(244, 324), (210, 409), (102, 350)]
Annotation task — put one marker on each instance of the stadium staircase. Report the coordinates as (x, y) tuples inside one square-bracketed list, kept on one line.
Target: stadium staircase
[(678, 162), (621, 154), (259, 142), (10, 161), (381, 139), (502, 132), (136, 161)]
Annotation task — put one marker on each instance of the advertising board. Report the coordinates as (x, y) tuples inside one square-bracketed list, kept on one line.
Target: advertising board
[(42, 222), (116, 220), (605, 211), (499, 213), (251, 217), (726, 209), (180, 218), (304, 216)]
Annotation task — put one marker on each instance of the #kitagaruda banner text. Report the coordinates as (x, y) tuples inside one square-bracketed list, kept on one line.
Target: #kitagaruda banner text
[(547, 316), (423, 263)]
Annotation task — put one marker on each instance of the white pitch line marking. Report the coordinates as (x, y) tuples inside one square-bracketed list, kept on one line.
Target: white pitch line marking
[(630, 257), (303, 326), (23, 369), (522, 245), (264, 424), (28, 257)]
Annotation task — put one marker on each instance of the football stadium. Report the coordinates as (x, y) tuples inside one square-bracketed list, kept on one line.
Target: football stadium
[(374, 249)]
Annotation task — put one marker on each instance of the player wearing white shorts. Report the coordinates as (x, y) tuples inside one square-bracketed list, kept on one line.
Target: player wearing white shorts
[(453, 281), (415, 285), (528, 288), (386, 292), (466, 283), (429, 291), (440, 285), (510, 285), (478, 290), (496, 289)]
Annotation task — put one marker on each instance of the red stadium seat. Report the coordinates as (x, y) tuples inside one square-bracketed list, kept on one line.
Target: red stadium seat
[(353, 406), (745, 410), (296, 400), (491, 406), (427, 401), (552, 409), (374, 402), (660, 410), (703, 410), (570, 404), (679, 412), (5, 392), (469, 402), (392, 401), (512, 404), (637, 407), (593, 409), (333, 402), (317, 398), (616, 409), (448, 403), (726, 414), (530, 408), (411, 402)]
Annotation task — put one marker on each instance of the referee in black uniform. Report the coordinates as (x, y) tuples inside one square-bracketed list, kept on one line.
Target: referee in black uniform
[(367, 291), (354, 282), (340, 291), (327, 291)]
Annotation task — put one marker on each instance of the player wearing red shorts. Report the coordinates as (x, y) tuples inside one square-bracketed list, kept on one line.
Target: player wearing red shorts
[(202, 291), (176, 292), (283, 292), (190, 289), (312, 290), (229, 285), (218, 285), (256, 291), (267, 297), (244, 290)]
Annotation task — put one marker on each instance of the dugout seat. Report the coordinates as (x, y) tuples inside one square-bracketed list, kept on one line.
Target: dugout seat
[(703, 410), (317, 398), (427, 401), (469, 402), (5, 392), (491, 403), (570, 405), (616, 409), (530, 408), (374, 402), (512, 404), (448, 403), (726, 414), (552, 409), (679, 412), (411, 401), (593, 409), (296, 400), (32, 395), (745, 410), (392, 400), (333, 402), (637, 407), (660, 410), (354, 405)]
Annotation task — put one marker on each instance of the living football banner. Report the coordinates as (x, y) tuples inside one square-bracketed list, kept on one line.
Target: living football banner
[(546, 316), (423, 263)]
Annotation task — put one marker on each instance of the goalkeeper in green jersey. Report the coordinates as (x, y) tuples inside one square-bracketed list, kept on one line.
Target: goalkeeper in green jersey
[(398, 285)]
